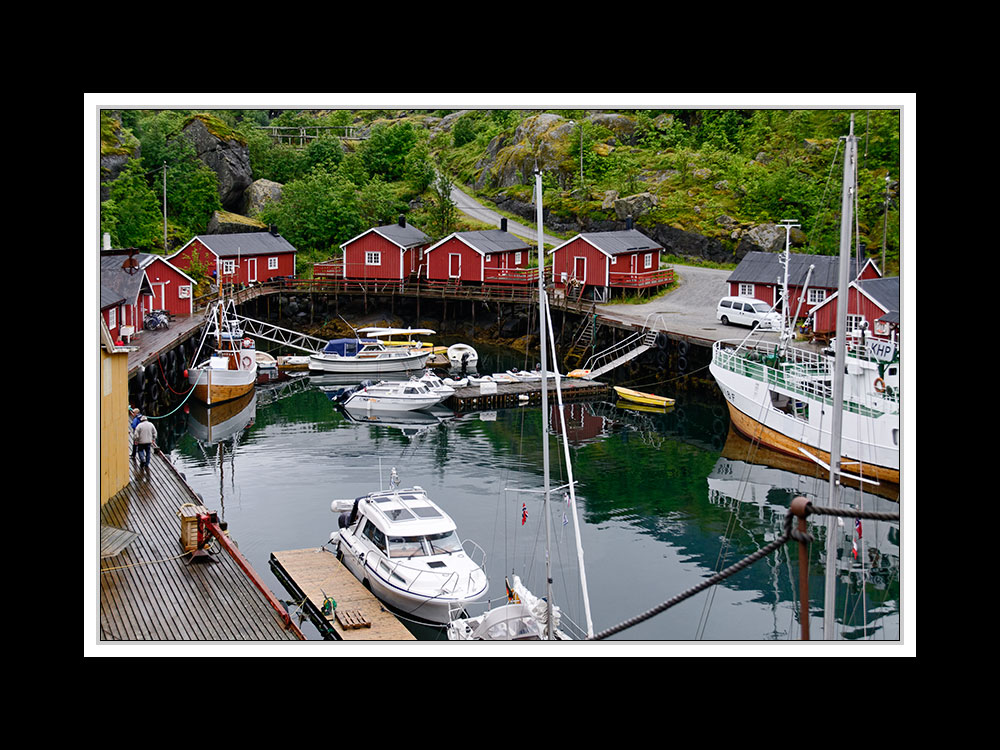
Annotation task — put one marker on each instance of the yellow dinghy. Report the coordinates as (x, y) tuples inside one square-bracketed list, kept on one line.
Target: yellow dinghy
[(645, 399)]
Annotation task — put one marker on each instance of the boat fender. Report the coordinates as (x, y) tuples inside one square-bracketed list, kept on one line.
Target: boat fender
[(879, 385)]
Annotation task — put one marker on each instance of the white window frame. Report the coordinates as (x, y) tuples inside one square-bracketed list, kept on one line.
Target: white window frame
[(746, 290), (648, 261), (112, 318), (272, 263), (517, 257), (815, 296), (184, 291), (228, 267), (373, 257), (854, 322)]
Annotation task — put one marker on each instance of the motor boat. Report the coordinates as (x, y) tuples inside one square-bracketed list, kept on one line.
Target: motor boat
[(367, 356), (407, 550), (436, 385), (388, 395), (462, 354), (522, 618)]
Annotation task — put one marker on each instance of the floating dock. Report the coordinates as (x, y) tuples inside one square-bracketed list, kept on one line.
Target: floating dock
[(476, 398), (313, 575)]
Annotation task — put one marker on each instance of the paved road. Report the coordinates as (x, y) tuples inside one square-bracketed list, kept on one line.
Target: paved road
[(472, 208)]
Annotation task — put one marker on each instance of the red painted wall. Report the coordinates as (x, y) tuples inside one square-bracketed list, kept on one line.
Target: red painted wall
[(243, 268), (438, 261), (563, 261), (171, 290), (355, 266), (859, 304)]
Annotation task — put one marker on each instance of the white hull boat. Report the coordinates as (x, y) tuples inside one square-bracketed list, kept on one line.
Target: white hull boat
[(230, 371), (436, 385), (366, 356), (459, 354), (391, 396), (407, 550)]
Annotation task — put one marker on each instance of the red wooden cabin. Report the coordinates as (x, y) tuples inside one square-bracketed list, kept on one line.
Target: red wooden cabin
[(124, 294), (392, 252), (486, 256), (874, 301), (172, 289), (604, 261), (761, 275), (243, 258)]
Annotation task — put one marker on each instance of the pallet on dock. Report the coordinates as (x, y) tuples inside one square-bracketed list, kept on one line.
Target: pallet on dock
[(314, 575)]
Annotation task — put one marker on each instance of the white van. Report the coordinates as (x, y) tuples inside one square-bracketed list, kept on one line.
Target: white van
[(747, 311)]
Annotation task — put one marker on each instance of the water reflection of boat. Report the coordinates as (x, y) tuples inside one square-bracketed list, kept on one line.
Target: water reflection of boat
[(217, 423), (410, 423)]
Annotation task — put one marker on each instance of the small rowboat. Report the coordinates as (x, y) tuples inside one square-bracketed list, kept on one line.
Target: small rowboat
[(646, 399)]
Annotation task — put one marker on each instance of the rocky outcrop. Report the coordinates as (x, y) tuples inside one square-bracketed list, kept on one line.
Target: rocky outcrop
[(259, 194), (117, 147), (225, 154), (224, 222)]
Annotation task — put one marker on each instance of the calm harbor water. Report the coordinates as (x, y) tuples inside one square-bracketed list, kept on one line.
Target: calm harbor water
[(665, 501)]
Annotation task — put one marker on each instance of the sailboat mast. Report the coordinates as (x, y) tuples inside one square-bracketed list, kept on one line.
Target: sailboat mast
[(840, 360), (545, 401)]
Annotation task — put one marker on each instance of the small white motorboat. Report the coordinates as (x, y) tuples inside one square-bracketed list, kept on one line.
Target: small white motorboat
[(523, 617), (436, 385), (407, 550), (392, 396), (462, 354), (456, 382), (366, 356)]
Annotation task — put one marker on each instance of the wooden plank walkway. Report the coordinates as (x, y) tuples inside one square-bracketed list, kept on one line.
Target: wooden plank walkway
[(150, 591), (471, 397), (314, 574)]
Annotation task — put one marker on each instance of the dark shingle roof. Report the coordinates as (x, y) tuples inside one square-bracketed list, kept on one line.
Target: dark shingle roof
[(884, 291), (623, 241), (246, 243), (115, 281), (493, 241), (764, 268), (404, 236)]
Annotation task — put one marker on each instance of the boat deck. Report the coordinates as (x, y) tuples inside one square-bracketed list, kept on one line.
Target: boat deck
[(314, 574), (151, 590)]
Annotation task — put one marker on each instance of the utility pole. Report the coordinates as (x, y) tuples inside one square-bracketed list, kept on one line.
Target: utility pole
[(164, 208)]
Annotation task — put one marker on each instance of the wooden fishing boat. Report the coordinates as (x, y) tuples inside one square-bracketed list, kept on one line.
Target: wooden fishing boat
[(230, 370), (645, 399)]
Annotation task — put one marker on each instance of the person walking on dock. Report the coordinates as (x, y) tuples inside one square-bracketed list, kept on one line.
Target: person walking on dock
[(145, 436), (133, 422)]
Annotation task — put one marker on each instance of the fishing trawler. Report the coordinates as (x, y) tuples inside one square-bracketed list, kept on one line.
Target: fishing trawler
[(784, 396), (230, 370)]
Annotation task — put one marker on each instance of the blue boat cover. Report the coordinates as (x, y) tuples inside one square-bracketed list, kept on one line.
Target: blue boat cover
[(346, 347)]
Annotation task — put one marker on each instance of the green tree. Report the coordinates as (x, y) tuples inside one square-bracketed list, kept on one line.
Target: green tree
[(376, 203), (419, 170), (442, 209), (192, 188), (132, 214), (384, 153)]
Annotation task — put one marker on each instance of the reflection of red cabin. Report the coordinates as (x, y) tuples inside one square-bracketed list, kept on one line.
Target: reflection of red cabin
[(491, 256), (873, 301), (392, 252), (243, 258), (625, 259), (761, 275)]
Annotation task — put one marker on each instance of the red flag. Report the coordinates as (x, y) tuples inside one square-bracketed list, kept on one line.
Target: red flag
[(524, 513)]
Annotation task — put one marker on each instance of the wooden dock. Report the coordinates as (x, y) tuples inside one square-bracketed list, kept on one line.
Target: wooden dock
[(152, 590), (472, 397), (312, 575)]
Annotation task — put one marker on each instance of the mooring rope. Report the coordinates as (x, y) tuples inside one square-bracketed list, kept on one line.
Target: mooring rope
[(789, 534)]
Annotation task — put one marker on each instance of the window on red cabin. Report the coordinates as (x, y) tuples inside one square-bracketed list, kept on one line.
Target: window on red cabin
[(373, 258)]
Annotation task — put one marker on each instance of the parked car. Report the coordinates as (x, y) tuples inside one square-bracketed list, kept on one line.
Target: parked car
[(747, 311)]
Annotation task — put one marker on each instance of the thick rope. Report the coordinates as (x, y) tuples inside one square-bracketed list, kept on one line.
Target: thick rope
[(789, 534)]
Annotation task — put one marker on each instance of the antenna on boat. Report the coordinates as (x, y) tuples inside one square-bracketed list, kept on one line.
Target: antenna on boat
[(840, 357), (786, 324)]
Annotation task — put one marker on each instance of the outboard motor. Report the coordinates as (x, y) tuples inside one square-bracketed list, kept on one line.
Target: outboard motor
[(346, 519)]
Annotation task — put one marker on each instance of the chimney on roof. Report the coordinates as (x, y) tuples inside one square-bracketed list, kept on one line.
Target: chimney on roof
[(628, 222), (107, 240), (273, 229), (503, 224), (402, 220)]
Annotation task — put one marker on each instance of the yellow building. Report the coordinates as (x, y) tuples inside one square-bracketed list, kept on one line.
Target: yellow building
[(114, 441)]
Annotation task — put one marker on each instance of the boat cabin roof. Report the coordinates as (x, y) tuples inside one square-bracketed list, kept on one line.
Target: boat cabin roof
[(407, 512), (346, 347)]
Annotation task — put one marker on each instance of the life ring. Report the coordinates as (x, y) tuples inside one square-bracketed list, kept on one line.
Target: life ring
[(247, 360), (879, 385), (248, 343)]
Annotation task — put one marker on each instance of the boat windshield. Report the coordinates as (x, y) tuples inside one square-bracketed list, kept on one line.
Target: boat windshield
[(422, 546)]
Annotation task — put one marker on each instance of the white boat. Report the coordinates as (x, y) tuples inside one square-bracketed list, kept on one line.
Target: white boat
[(366, 356), (407, 550), (390, 396), (230, 369), (524, 616), (436, 385), (781, 396), (462, 354), (398, 336), (456, 382)]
